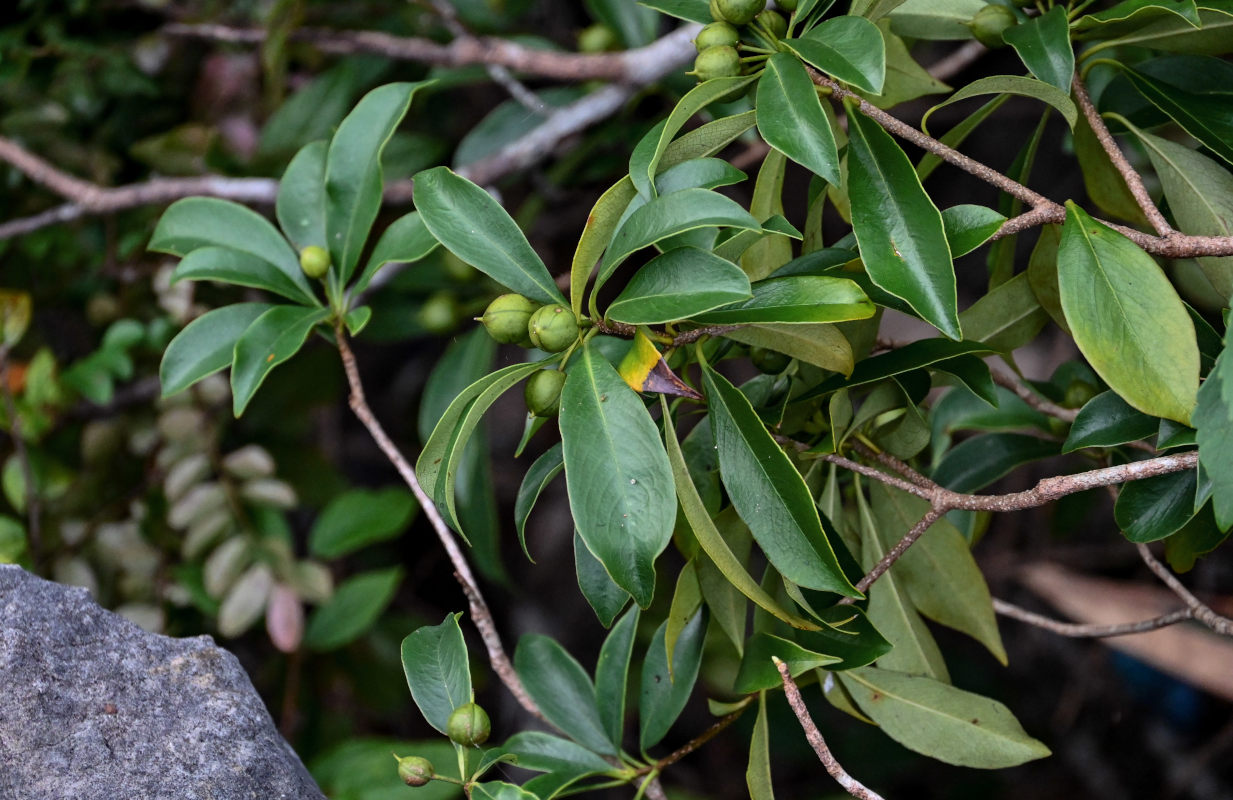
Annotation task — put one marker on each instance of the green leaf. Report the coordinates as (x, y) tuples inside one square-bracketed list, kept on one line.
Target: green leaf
[(360, 768), (757, 672), (768, 252), (601, 224), (977, 462), (612, 673), (686, 600), (1151, 509), (1107, 421), (795, 300), (688, 10), (664, 693), (353, 609), (12, 539), (359, 518), (560, 687), (1197, 538), (434, 660), (1200, 195), (207, 221), (1006, 318), (1043, 44), (940, 721), (935, 19), (677, 285), (914, 356), (848, 635), (938, 572), (605, 597), (758, 773), (635, 23), (1213, 421), (670, 215), (1177, 34), (791, 118), (769, 493), (1131, 16), (1104, 184), (300, 207), (850, 49), (956, 135), (906, 79), (710, 539), (206, 345), (407, 239), (969, 226), (241, 269), (899, 230), (474, 227), (617, 473), (1207, 118), (541, 473), (353, 171), (704, 173), (1016, 85), (271, 339), (1127, 319), (544, 752), (500, 790), (822, 345)]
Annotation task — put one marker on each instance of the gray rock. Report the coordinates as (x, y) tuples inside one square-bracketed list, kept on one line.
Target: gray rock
[(94, 708)]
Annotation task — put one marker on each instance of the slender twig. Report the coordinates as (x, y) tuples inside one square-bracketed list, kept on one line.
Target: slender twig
[(895, 553), (1133, 182), (1201, 611), (611, 328), (1036, 401), (814, 736), (694, 743), (1078, 631), (886, 459), (481, 615), (499, 74)]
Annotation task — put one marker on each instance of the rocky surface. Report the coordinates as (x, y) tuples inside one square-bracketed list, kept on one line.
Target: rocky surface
[(94, 708)]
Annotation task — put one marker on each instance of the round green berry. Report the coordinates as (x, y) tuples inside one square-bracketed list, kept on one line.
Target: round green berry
[(771, 362), (990, 23), (717, 62), (787, 5), (543, 392), (553, 328), (597, 39), (315, 261), (439, 314), (506, 318), (468, 725), (717, 34), (415, 771), (774, 23), (738, 12)]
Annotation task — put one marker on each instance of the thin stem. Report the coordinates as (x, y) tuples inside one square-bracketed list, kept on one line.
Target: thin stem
[(814, 736), (896, 552), (480, 613), (695, 743), (499, 74), (1077, 631), (1036, 401), (1201, 611)]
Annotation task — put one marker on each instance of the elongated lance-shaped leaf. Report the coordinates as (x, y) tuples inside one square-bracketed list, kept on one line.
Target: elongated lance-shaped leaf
[(353, 171), (612, 673), (206, 345), (679, 284), (562, 690), (300, 207), (619, 480), (664, 692), (1206, 119), (769, 493), (1000, 85), (797, 299), (541, 473), (474, 227), (605, 597), (232, 266), (758, 772), (434, 659), (791, 119), (899, 229), (1127, 319), (274, 337), (406, 239), (1043, 44)]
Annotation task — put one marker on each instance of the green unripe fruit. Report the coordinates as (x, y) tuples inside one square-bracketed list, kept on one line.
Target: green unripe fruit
[(717, 34), (787, 5), (774, 22), (771, 362), (1078, 393), (543, 392), (738, 12), (553, 328), (439, 314), (315, 261), (468, 725), (717, 62), (989, 24), (506, 318), (415, 771), (597, 38), (715, 15)]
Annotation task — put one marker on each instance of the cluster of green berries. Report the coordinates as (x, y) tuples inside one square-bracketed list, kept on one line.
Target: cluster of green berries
[(468, 725), (717, 43), (513, 319)]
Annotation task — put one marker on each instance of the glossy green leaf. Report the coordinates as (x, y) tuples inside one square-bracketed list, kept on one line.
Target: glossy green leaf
[(619, 480), (500, 790), (206, 345), (474, 227), (688, 10), (612, 673), (799, 299), (906, 79), (1127, 319), (1197, 538), (1006, 318), (848, 634), (355, 606), (407, 239), (938, 571), (969, 226), (634, 23), (1213, 420), (679, 284), (940, 721), (1177, 34), (1207, 118), (899, 230), (758, 772), (605, 597), (977, 462), (537, 478), (670, 215), (353, 171), (686, 600), (757, 672), (913, 356), (560, 687), (434, 660), (544, 752), (710, 539), (935, 19), (663, 694), (1014, 85), (848, 48), (1107, 421), (300, 207), (1151, 509), (271, 339), (768, 252), (769, 493), (241, 269), (1043, 44), (1104, 184), (359, 518), (601, 224), (791, 119), (1131, 16), (698, 173), (821, 344), (196, 222)]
